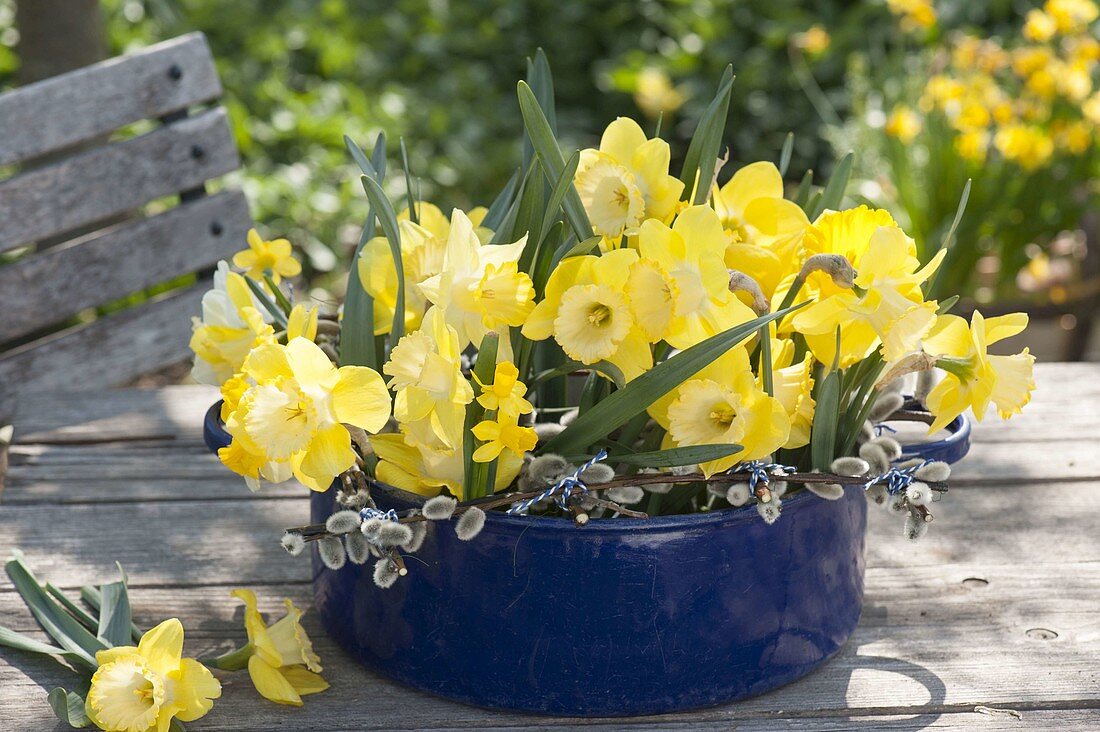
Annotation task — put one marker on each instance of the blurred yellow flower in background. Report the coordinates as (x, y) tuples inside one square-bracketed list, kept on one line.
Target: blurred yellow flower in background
[(814, 40), (903, 124), (274, 257), (655, 94)]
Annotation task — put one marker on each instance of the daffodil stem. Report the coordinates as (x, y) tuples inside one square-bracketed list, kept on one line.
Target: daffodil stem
[(231, 661), (280, 297)]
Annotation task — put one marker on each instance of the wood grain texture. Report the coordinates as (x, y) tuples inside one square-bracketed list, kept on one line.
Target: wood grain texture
[(993, 612), (79, 106), (124, 345), (110, 180), (47, 288)]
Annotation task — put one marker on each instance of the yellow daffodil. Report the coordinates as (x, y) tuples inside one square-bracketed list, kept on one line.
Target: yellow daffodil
[(421, 258), (426, 376), (272, 257), (914, 14), (765, 230), (903, 124), (974, 377), (889, 307), (1072, 16), (232, 325), (814, 40), (626, 181), (722, 404), (1027, 145), (479, 288), (423, 471), (506, 393), (793, 385), (655, 94), (694, 302), (280, 657), (144, 688), (585, 309), (501, 434), (295, 415), (1039, 26), (302, 323), (436, 222)]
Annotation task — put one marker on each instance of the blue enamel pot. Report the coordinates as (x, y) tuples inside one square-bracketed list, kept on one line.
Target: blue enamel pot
[(619, 617)]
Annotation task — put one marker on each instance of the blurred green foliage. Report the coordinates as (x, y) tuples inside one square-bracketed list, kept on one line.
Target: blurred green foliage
[(299, 74)]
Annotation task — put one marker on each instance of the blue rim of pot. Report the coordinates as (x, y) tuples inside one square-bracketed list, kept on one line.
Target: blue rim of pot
[(958, 442)]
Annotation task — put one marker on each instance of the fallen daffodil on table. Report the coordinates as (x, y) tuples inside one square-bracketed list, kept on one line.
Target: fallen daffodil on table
[(279, 657)]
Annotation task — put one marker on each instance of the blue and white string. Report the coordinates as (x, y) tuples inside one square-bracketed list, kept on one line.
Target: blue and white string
[(373, 513), (883, 427), (759, 470), (897, 479), (566, 487)]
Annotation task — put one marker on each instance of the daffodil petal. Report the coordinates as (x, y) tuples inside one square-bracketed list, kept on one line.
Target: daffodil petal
[(360, 398), (271, 683), (162, 646), (304, 681)]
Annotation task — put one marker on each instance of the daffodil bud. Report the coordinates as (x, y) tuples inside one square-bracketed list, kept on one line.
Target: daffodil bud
[(392, 533), (936, 472), (887, 403), (828, 491), (598, 473), (358, 547), (889, 445), (918, 493), (440, 508), (835, 265), (470, 523), (385, 573), (738, 494), (625, 494), (293, 543), (542, 471), (875, 457), (915, 526), (332, 552), (343, 522), (419, 533), (741, 282), (769, 511)]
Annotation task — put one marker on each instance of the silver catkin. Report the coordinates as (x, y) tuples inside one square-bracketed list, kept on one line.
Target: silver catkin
[(896, 502), (875, 457), (936, 471), (779, 487), (918, 493), (877, 493), (738, 494), (370, 529), (332, 552), (661, 488), (470, 523), (419, 533), (598, 473), (926, 380), (385, 573), (392, 533), (850, 466), (439, 508), (569, 417), (293, 543), (887, 403), (625, 494), (358, 547), (828, 491), (889, 445), (915, 527), (544, 431), (769, 511), (343, 522), (542, 471)]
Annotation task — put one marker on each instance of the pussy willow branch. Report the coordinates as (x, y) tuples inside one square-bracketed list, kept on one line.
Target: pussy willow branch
[(312, 532)]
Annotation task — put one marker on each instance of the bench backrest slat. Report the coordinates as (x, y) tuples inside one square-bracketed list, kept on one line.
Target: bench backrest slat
[(74, 108), (94, 218)]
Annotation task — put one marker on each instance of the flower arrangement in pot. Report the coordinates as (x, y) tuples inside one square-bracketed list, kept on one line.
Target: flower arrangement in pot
[(603, 447)]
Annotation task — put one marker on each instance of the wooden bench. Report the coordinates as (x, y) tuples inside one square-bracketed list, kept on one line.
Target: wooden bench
[(109, 198)]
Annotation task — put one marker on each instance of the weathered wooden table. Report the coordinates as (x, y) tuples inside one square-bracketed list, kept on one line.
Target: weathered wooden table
[(990, 622)]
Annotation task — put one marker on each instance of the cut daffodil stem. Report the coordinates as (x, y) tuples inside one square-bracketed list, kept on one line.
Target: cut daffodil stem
[(233, 660)]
